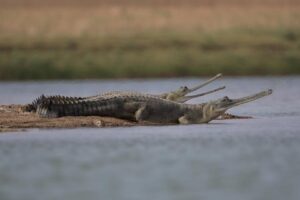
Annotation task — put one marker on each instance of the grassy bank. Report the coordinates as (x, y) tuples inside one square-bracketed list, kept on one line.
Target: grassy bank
[(161, 41)]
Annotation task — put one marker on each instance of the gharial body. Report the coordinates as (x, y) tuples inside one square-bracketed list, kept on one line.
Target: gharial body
[(138, 107), (178, 95)]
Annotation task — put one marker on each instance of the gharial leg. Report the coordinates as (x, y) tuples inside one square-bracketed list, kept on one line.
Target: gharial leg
[(142, 114)]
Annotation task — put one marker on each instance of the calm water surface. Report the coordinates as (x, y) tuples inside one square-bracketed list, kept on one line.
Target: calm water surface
[(234, 159)]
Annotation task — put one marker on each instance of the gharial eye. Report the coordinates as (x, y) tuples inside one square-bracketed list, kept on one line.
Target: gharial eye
[(225, 99), (184, 88)]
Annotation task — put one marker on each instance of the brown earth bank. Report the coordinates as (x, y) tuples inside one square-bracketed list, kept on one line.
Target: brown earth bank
[(13, 118)]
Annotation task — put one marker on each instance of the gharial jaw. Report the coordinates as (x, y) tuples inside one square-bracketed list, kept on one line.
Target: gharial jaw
[(214, 109)]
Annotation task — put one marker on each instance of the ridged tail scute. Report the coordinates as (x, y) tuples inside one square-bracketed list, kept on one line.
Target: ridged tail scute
[(33, 106), (44, 109), (57, 106)]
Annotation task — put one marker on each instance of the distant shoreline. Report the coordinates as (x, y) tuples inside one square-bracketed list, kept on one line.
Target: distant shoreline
[(115, 41)]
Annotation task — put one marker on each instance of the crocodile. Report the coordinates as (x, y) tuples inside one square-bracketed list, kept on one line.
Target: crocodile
[(140, 107), (179, 95)]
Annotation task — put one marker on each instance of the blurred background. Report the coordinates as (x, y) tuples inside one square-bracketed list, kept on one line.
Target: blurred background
[(73, 39)]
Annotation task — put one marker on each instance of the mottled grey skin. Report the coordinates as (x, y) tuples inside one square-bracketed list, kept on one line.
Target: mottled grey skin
[(131, 106), (140, 107), (178, 95)]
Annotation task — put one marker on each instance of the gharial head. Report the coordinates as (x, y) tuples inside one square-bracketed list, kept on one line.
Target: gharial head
[(216, 108)]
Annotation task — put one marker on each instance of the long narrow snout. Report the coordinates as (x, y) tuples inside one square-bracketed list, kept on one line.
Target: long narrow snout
[(204, 84), (235, 102), (187, 98)]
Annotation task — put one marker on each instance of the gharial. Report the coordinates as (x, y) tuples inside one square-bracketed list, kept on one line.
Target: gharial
[(178, 95), (139, 107)]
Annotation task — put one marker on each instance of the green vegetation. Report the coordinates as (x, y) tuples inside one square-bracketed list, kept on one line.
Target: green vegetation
[(246, 53)]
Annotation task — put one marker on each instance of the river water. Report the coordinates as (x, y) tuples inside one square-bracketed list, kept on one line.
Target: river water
[(234, 159)]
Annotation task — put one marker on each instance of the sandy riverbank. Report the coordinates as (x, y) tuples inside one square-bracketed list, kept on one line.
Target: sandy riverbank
[(13, 118)]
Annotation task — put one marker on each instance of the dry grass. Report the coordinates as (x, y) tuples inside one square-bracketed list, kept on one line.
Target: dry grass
[(102, 20)]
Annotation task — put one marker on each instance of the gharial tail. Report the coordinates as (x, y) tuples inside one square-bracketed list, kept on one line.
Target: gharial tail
[(43, 105), (32, 107)]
